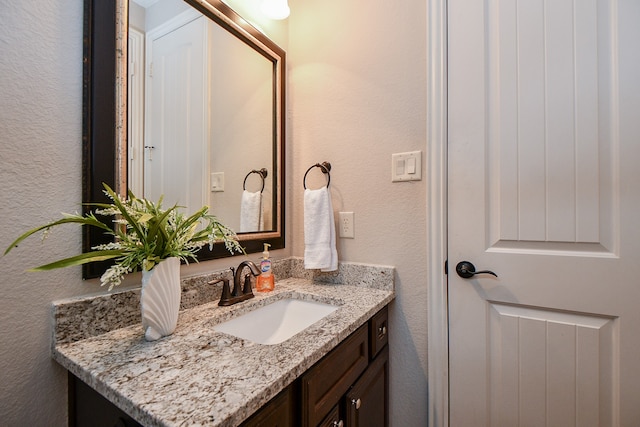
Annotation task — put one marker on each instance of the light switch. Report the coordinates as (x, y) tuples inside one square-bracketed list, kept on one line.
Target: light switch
[(217, 181), (411, 165), (406, 166)]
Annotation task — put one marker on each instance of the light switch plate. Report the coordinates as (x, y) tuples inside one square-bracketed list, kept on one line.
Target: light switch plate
[(406, 166), (217, 181)]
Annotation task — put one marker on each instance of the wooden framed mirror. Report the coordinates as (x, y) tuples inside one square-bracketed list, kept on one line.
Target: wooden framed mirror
[(108, 124)]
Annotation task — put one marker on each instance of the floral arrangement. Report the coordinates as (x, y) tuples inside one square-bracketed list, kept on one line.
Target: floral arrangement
[(146, 234)]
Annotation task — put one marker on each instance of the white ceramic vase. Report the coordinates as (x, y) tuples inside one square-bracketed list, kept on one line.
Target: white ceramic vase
[(160, 299)]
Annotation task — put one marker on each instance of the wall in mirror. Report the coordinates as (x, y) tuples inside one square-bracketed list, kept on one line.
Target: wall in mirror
[(200, 115), (202, 120)]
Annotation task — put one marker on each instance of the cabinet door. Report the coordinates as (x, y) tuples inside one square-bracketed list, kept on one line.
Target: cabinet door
[(89, 408), (277, 413), (333, 419), (324, 385), (366, 402)]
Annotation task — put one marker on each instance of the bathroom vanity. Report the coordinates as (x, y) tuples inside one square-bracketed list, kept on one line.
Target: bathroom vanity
[(335, 370), (198, 376), (348, 387)]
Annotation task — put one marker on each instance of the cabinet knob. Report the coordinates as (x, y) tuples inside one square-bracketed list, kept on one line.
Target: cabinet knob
[(356, 403), (382, 331), (338, 423)]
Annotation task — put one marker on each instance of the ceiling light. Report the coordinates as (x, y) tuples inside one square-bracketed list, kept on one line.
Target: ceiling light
[(275, 9)]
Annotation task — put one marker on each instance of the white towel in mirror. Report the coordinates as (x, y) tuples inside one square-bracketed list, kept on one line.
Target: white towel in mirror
[(251, 212)]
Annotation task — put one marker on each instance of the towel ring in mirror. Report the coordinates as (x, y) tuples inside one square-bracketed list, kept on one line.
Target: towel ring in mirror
[(263, 174)]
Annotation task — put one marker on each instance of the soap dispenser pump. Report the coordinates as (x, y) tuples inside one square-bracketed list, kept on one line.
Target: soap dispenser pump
[(266, 280)]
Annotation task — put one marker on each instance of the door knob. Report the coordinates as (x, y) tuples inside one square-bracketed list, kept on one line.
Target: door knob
[(467, 270)]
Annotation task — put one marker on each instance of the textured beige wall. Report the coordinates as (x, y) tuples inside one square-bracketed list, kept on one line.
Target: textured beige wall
[(41, 176), (358, 94), (40, 151)]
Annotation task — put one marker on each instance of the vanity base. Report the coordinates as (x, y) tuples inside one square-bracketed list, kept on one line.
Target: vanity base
[(89, 408), (350, 385)]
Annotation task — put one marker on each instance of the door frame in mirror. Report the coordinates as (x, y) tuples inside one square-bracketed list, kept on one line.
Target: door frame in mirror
[(104, 125)]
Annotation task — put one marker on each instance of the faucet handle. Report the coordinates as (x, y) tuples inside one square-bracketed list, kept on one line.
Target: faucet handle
[(246, 290), (225, 298)]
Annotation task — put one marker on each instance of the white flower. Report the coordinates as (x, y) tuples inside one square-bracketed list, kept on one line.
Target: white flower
[(114, 275), (107, 246)]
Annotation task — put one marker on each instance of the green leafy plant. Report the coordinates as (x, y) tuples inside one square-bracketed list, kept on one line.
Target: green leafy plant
[(145, 234)]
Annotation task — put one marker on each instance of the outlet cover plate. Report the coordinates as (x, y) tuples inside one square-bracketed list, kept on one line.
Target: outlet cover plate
[(346, 225)]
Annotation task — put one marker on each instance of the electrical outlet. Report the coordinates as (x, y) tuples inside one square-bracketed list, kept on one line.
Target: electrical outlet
[(346, 225)]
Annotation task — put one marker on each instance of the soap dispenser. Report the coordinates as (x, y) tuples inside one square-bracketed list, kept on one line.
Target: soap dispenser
[(266, 280)]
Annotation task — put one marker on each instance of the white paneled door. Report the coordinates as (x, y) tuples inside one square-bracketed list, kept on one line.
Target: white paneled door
[(176, 153), (544, 190)]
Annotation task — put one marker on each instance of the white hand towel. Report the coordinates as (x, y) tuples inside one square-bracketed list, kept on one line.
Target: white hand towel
[(251, 211), (319, 231)]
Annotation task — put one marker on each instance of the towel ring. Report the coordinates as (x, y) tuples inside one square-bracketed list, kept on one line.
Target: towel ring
[(263, 174), (324, 166)]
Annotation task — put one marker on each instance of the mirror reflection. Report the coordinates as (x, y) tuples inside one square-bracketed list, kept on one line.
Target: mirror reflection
[(200, 116), (203, 141)]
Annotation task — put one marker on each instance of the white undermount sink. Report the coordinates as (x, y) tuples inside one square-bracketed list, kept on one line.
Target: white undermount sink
[(276, 322)]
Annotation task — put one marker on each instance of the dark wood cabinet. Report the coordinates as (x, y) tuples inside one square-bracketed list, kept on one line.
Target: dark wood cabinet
[(279, 412), (87, 407), (349, 387), (367, 402), (328, 380), (333, 419), (378, 332)]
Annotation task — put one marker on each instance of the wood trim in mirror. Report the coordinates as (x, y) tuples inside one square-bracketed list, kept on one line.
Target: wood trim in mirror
[(98, 116), (104, 138)]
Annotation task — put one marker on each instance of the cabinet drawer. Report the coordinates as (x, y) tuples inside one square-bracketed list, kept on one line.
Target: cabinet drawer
[(327, 381), (333, 419), (378, 332)]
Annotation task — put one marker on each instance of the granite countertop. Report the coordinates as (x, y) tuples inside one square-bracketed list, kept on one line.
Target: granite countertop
[(198, 376)]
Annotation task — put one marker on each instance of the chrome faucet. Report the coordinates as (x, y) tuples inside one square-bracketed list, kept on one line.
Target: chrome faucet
[(241, 284)]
